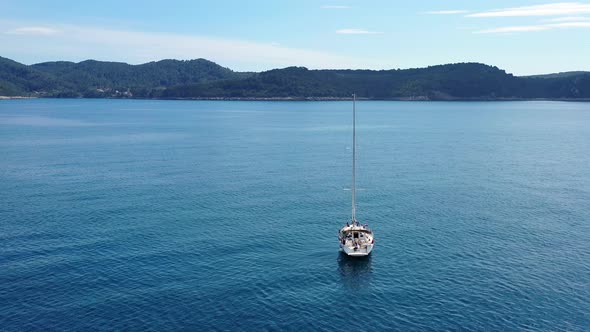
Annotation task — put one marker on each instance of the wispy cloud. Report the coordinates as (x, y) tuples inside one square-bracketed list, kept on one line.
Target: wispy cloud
[(567, 19), (357, 32), (551, 9), (78, 42), (529, 28), (532, 28), (39, 31), (571, 25), (335, 7), (447, 12)]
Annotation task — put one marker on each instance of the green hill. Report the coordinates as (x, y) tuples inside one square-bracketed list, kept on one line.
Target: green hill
[(17, 79), (462, 81), (205, 79), (561, 75), (95, 78)]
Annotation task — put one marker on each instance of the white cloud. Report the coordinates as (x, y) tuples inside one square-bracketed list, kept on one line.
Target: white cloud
[(568, 19), (76, 42), (357, 32), (529, 28), (551, 9), (532, 28), (570, 25), (447, 12), (335, 7), (42, 31)]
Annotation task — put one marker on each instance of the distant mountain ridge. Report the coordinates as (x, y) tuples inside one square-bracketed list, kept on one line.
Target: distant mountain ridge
[(203, 79), (561, 75), (93, 78)]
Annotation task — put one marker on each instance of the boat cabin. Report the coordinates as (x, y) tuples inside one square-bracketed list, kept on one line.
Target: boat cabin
[(356, 235)]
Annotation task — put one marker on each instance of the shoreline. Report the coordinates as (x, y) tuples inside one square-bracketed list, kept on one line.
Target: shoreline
[(361, 98), (16, 97), (412, 99)]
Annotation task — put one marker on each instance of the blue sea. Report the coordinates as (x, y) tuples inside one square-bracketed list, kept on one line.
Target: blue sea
[(223, 215)]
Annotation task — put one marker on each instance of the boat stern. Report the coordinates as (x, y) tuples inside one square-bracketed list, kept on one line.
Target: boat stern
[(356, 252)]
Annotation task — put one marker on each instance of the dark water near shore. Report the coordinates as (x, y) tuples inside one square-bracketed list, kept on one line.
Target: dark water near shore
[(182, 215)]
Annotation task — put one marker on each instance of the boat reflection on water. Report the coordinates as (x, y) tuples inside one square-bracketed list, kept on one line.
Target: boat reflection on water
[(355, 271)]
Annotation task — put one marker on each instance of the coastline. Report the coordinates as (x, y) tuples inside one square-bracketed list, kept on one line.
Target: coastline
[(419, 99), (293, 98), (16, 97)]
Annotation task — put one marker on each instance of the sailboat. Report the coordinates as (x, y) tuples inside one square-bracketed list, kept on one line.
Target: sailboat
[(355, 239)]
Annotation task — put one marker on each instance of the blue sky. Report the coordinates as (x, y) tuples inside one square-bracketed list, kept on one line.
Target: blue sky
[(523, 37)]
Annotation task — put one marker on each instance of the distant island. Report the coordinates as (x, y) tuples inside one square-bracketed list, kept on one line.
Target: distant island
[(203, 79)]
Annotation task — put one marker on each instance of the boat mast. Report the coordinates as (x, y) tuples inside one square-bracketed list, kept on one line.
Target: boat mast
[(353, 158)]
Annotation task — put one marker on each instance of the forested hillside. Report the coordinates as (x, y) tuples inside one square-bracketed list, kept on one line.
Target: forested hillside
[(205, 79)]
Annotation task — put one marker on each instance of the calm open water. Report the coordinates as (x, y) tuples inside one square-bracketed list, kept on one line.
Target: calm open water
[(195, 215)]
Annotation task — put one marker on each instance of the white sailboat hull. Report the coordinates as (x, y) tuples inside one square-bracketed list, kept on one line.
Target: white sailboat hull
[(352, 251)]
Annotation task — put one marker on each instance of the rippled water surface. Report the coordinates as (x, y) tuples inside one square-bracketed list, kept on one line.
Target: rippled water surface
[(193, 215)]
